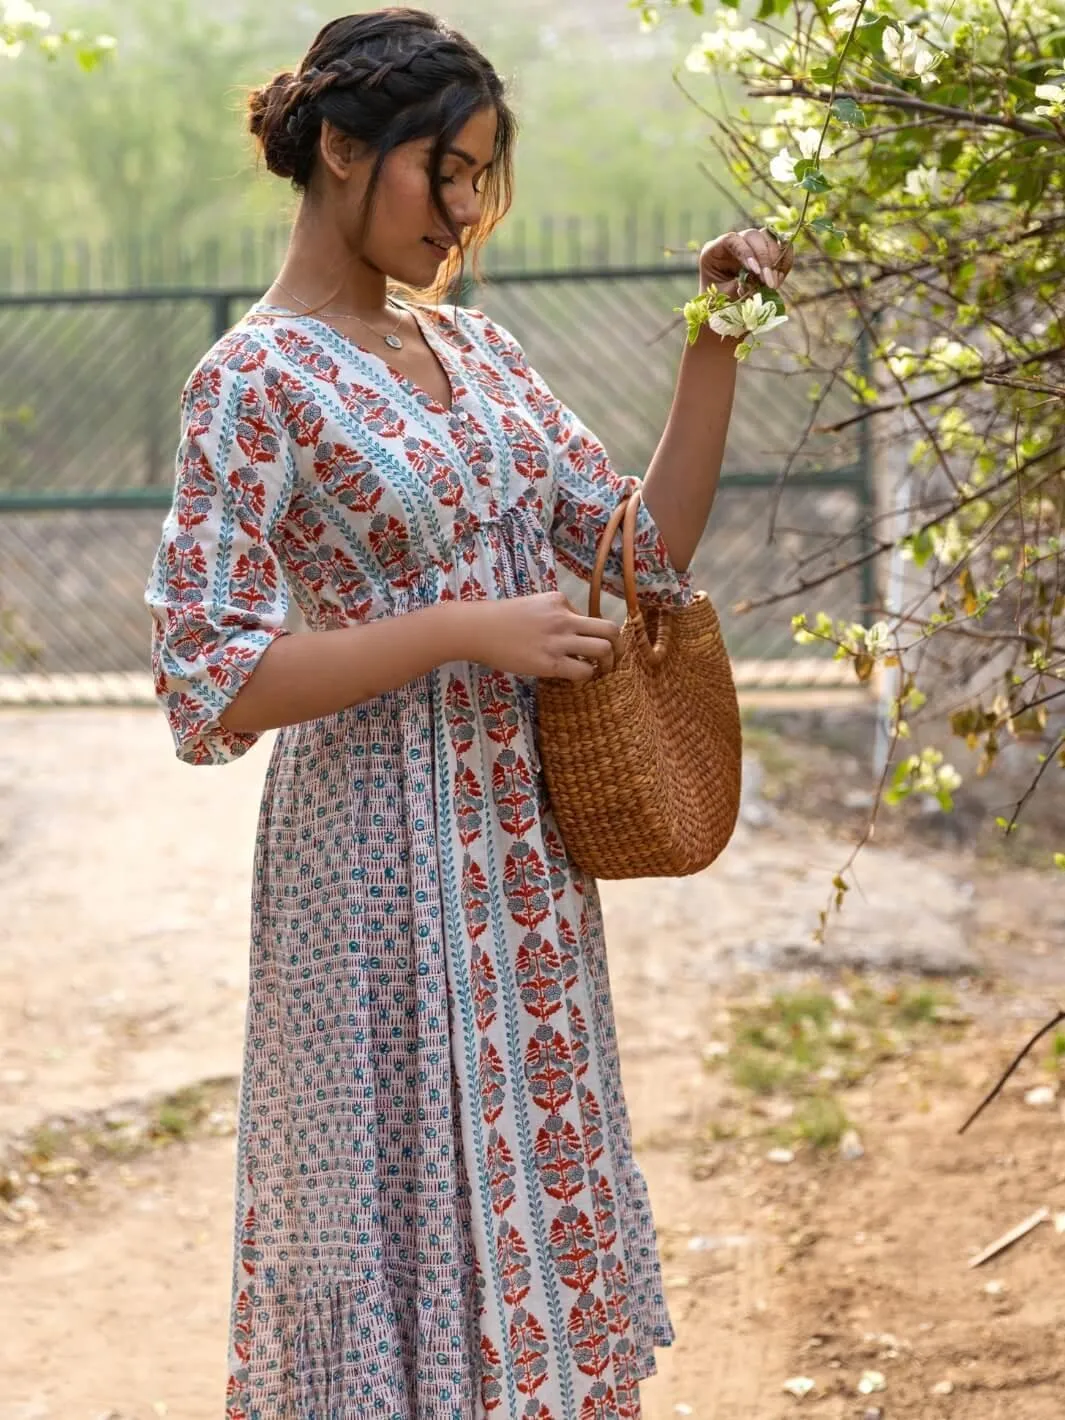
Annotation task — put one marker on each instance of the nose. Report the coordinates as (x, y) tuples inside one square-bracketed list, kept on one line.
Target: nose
[(464, 206)]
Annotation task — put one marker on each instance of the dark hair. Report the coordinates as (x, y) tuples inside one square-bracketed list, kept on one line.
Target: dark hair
[(386, 78)]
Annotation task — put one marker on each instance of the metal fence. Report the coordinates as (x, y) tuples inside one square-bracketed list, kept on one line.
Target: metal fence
[(249, 257), (89, 384)]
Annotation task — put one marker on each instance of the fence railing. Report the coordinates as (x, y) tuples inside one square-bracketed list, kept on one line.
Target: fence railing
[(249, 257), (89, 383)]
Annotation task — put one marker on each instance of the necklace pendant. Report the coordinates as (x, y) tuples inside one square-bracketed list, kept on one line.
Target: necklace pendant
[(394, 342)]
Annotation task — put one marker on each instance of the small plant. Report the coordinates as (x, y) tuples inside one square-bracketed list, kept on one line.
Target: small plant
[(1055, 1061), (46, 1144), (920, 1006), (181, 1113), (821, 1122), (803, 1046)]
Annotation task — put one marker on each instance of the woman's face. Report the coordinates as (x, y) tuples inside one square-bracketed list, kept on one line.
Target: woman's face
[(406, 239)]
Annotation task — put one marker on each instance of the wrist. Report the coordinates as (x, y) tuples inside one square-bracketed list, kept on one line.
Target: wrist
[(457, 630), (711, 345)]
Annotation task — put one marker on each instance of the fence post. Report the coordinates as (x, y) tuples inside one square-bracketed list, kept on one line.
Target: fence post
[(221, 305)]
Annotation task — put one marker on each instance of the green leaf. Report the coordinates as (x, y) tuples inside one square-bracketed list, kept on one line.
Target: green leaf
[(814, 180), (921, 546), (826, 73), (870, 33), (773, 298), (990, 179), (1033, 178), (850, 113), (1021, 88), (825, 227)]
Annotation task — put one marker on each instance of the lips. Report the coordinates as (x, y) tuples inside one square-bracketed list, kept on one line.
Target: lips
[(442, 247)]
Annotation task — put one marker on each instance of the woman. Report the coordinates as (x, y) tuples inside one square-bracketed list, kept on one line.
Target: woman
[(438, 1212)]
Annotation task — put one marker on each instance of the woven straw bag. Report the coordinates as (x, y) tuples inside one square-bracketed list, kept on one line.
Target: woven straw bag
[(643, 763)]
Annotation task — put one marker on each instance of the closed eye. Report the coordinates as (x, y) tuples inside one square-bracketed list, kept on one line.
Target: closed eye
[(478, 186)]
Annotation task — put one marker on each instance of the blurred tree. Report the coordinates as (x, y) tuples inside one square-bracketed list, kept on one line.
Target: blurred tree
[(157, 147)]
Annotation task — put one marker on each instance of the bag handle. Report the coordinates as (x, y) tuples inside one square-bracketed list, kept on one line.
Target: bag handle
[(625, 516)]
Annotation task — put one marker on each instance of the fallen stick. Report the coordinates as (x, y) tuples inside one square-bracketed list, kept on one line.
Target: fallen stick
[(1008, 1239)]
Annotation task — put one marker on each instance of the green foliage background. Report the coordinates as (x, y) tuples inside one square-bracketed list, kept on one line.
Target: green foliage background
[(156, 146)]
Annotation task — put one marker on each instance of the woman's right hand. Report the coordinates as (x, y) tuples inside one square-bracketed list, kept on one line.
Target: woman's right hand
[(540, 636)]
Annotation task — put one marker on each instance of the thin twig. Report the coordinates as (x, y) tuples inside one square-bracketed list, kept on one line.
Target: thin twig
[(1059, 745), (1053, 1025)]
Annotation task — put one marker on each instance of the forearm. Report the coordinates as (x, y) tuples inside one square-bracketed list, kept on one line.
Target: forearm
[(682, 480), (308, 675)]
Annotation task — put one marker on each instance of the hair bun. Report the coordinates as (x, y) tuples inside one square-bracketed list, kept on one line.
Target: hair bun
[(269, 111)]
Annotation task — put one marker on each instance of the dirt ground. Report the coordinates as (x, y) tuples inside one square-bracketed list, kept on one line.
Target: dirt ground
[(124, 879)]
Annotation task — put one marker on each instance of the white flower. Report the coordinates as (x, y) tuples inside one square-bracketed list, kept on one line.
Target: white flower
[(755, 315), (1055, 97), (798, 113), (809, 140), (724, 45), (899, 50), (926, 62), (19, 14), (903, 362), (908, 54), (948, 778), (782, 168), (842, 14), (922, 182), (10, 49)]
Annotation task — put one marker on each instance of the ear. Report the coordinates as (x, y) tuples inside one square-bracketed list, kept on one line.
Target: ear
[(338, 152)]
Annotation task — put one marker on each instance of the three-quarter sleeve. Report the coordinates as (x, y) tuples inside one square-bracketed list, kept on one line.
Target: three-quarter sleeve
[(587, 489), (217, 591)]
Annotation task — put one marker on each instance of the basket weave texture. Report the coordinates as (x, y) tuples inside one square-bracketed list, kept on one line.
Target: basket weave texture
[(643, 763)]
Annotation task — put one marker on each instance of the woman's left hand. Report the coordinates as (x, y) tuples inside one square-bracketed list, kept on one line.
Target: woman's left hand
[(755, 250)]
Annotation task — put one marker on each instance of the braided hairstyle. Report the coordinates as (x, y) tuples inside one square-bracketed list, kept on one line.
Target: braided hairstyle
[(386, 78)]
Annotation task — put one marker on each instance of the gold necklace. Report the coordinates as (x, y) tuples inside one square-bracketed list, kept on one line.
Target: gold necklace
[(392, 339)]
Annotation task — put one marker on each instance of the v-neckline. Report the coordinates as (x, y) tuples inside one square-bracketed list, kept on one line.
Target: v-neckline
[(417, 391)]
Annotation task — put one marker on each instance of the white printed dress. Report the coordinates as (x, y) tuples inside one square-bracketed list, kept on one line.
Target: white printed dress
[(438, 1212)]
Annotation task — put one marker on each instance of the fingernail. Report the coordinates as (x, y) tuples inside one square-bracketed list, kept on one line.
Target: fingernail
[(754, 266), (772, 279)]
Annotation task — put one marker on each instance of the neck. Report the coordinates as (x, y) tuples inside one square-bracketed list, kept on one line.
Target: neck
[(321, 270)]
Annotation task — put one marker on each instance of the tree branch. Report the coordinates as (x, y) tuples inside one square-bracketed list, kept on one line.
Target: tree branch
[(887, 98), (1003, 368), (1031, 385)]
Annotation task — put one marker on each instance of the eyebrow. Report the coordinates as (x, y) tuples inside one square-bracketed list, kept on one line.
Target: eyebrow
[(470, 162)]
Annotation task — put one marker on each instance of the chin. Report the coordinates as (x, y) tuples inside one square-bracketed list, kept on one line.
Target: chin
[(420, 271)]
